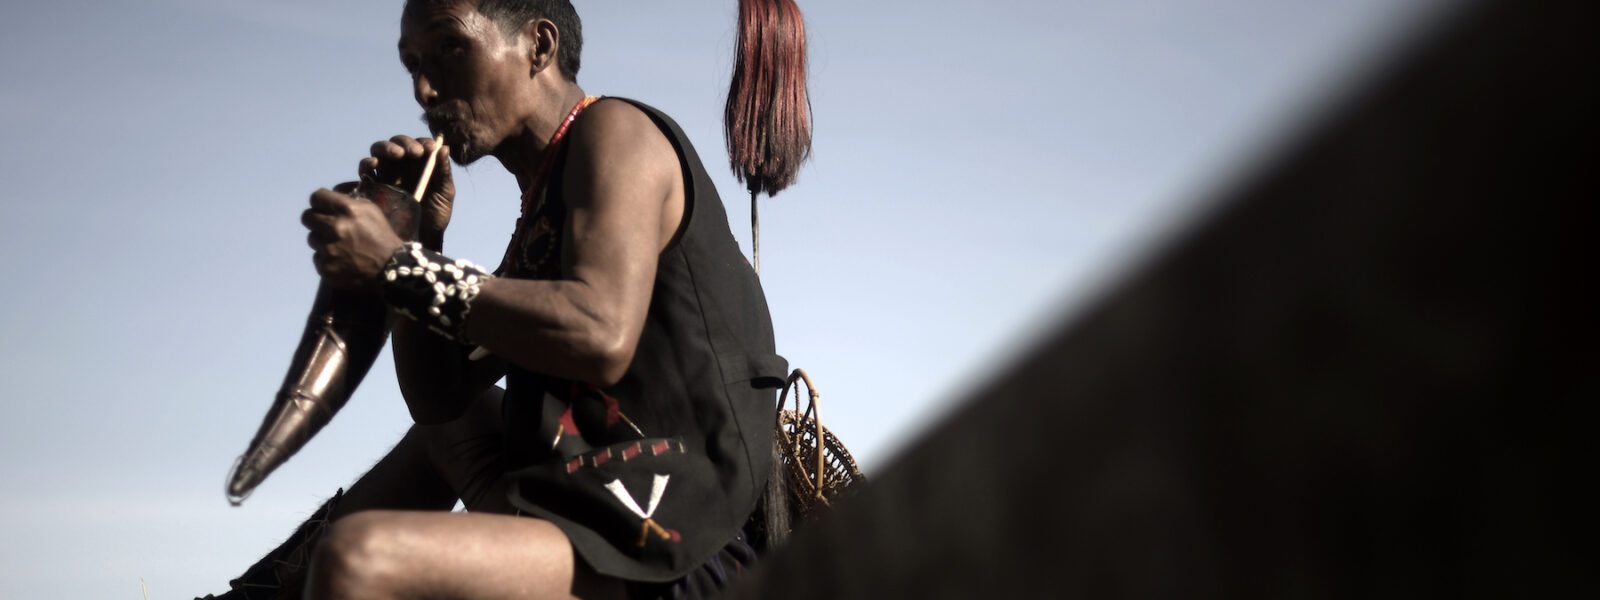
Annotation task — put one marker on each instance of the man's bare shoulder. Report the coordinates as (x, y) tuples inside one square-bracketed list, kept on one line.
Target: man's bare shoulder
[(617, 151), (618, 130)]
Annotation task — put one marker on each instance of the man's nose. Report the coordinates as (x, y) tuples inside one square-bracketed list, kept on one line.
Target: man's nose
[(422, 90)]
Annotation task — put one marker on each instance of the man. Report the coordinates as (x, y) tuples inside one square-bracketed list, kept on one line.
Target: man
[(633, 437)]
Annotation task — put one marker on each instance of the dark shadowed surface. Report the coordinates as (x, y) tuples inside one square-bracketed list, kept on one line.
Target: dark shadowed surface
[(1361, 377)]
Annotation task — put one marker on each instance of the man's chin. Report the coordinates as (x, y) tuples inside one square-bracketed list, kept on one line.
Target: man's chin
[(465, 154)]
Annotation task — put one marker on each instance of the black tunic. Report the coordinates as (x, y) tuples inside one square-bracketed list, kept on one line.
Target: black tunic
[(652, 476)]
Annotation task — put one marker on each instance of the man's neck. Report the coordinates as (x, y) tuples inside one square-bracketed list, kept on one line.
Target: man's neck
[(522, 153)]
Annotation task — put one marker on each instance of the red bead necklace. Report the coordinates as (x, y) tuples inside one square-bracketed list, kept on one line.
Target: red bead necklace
[(516, 259), (536, 184)]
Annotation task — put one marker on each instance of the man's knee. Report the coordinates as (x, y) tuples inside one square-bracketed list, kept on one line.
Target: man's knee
[(357, 557), (467, 452), (478, 425)]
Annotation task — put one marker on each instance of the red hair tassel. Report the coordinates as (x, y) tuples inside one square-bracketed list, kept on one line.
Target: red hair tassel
[(767, 121)]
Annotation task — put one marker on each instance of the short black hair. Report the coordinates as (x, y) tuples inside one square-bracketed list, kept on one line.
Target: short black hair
[(512, 15)]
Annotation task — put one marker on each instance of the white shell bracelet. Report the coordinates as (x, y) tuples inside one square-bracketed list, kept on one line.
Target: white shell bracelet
[(432, 289)]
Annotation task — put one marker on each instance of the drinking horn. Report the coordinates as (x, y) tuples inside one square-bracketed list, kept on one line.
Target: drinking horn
[(343, 336)]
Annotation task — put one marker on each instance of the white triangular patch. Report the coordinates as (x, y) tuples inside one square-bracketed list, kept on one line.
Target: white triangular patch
[(658, 487)]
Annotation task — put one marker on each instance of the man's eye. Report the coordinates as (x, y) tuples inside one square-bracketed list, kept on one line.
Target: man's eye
[(455, 48)]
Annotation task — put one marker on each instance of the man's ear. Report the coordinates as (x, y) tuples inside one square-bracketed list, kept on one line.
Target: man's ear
[(543, 40)]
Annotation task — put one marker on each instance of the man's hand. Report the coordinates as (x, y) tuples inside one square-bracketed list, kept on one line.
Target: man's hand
[(351, 239), (398, 161)]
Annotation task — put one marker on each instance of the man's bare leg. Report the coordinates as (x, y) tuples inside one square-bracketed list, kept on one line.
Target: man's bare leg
[(404, 479), (412, 554), (434, 465), (484, 553), (422, 553)]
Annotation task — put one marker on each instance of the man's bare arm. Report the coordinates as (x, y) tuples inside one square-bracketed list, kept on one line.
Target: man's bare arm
[(624, 198), (435, 377)]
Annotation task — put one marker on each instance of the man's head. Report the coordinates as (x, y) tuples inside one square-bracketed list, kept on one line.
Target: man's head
[(479, 66), (513, 15)]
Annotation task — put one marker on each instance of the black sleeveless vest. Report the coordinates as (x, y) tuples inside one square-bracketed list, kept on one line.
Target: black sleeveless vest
[(651, 476)]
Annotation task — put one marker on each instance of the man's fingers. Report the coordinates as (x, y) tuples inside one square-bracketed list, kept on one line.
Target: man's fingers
[(367, 166), (325, 266), (318, 222), (413, 148), (329, 201), (388, 150)]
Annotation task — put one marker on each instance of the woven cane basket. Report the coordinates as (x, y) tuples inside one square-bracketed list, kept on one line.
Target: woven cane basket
[(816, 466)]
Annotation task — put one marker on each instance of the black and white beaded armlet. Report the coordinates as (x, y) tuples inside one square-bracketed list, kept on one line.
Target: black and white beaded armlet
[(432, 289)]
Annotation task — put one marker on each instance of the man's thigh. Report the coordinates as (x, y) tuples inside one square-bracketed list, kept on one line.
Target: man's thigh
[(452, 555)]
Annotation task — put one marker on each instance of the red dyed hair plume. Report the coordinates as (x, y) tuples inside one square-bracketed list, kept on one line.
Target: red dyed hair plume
[(767, 122)]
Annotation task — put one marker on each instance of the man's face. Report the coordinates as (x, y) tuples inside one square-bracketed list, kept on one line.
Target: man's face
[(466, 75)]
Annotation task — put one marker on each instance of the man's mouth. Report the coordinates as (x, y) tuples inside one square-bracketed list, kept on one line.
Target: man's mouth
[(444, 121), (450, 129), (451, 122), (453, 133)]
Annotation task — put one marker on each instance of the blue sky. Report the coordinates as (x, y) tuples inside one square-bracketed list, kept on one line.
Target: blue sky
[(979, 171)]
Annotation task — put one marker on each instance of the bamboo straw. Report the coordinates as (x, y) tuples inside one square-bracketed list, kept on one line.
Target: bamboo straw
[(427, 168)]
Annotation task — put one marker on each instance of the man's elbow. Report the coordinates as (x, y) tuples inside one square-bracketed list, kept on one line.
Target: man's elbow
[(610, 359)]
